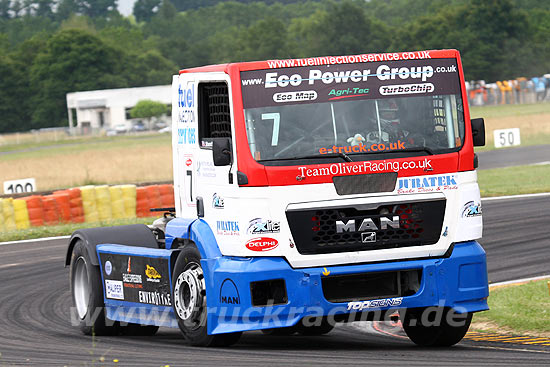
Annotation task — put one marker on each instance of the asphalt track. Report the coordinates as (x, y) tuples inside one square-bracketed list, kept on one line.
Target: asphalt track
[(35, 327), (516, 156)]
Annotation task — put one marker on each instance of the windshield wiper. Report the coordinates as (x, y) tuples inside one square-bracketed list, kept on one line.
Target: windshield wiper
[(344, 156)]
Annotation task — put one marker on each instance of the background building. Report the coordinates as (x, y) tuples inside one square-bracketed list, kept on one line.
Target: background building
[(109, 109)]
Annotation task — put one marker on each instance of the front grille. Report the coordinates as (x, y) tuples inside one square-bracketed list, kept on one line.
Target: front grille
[(360, 287), (315, 231), (364, 184)]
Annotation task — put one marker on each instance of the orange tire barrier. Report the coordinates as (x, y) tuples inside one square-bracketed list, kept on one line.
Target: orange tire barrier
[(142, 202), (35, 209), (51, 210), (64, 206), (154, 196), (166, 195)]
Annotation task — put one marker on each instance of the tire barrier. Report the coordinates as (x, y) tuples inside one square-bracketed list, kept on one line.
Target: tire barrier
[(85, 204)]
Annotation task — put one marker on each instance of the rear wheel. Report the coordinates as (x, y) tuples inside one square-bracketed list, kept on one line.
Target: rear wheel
[(87, 293), (440, 327), (189, 301)]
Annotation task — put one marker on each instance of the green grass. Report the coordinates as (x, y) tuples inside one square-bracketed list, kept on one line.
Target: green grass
[(521, 308), (514, 180), (66, 229), (509, 110)]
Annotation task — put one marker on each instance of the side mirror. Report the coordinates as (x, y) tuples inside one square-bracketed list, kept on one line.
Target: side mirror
[(221, 151), (478, 131)]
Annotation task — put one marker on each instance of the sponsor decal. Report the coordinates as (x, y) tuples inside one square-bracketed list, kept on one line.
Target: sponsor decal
[(375, 303), (217, 202), (391, 90), (114, 289), (206, 169), (364, 167), (362, 148), (298, 96), (408, 185), (262, 244), (261, 226), (367, 224), (333, 60), (155, 298), (471, 209), (108, 267), (207, 144), (135, 274), (347, 93), (188, 162), (320, 84), (129, 278), (229, 294), (227, 228), (186, 115), (152, 274)]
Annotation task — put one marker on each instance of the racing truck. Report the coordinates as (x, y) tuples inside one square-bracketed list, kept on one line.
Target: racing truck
[(308, 192)]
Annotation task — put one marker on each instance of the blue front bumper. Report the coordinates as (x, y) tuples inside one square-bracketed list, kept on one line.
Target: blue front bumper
[(459, 281)]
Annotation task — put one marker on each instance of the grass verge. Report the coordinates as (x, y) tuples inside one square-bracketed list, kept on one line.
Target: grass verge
[(514, 180), (518, 309), (66, 229)]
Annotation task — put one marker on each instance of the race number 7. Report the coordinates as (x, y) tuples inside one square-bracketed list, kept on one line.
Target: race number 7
[(276, 117)]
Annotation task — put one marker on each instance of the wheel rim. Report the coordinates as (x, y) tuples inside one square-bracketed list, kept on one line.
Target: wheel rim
[(81, 287), (189, 296)]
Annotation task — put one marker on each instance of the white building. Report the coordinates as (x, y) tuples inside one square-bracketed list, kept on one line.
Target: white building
[(109, 109)]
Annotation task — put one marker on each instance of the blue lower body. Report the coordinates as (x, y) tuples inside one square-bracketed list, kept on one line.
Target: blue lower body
[(458, 281)]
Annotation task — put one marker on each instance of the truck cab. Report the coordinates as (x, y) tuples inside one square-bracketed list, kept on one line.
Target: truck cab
[(325, 189)]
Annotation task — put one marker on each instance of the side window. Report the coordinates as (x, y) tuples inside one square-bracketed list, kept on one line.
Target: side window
[(214, 113)]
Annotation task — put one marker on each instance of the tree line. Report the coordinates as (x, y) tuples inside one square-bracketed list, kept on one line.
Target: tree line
[(49, 48)]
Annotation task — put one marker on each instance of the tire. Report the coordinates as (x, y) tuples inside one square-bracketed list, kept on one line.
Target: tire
[(189, 301), (87, 294), (428, 331), (310, 326)]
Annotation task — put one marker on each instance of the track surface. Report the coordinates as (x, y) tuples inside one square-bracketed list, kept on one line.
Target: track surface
[(517, 156), (35, 327)]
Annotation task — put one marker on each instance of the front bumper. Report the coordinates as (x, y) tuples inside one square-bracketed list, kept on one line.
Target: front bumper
[(458, 281)]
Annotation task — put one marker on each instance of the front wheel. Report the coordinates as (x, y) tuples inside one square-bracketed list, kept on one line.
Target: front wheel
[(189, 301), (436, 326)]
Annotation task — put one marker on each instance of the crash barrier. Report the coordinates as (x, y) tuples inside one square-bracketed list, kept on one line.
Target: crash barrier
[(84, 204)]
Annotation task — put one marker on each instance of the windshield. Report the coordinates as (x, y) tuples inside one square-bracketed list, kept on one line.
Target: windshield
[(353, 110)]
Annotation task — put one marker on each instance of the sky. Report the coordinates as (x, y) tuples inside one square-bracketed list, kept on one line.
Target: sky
[(125, 6)]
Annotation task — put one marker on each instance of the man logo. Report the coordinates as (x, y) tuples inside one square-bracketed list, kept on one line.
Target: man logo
[(367, 237), (229, 294)]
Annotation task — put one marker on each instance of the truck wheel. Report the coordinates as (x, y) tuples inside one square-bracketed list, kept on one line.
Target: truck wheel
[(189, 301), (437, 332), (87, 293), (316, 329)]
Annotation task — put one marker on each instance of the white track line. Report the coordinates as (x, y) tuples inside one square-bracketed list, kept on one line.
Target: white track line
[(35, 240), (542, 194)]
